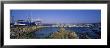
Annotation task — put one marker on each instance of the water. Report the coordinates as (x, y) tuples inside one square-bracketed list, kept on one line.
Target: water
[(90, 32), (45, 32)]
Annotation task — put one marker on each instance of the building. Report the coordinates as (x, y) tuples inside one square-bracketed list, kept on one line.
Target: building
[(38, 22), (21, 22)]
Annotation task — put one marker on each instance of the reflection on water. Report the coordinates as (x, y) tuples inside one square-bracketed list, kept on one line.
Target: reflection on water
[(82, 32), (45, 32)]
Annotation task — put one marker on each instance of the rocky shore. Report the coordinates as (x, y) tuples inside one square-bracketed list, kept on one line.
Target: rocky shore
[(63, 34), (23, 32)]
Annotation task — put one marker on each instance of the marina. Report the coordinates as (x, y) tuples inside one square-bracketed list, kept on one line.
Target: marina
[(40, 32), (55, 24)]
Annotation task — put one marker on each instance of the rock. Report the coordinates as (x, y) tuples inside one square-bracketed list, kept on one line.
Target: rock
[(64, 34)]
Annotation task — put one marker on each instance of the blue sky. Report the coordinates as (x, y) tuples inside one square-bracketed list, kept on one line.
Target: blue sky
[(59, 16)]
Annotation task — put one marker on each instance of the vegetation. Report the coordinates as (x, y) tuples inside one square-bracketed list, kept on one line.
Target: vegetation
[(23, 32), (64, 34), (26, 32)]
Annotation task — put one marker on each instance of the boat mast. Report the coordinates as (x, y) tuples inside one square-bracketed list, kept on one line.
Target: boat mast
[(12, 19), (29, 18)]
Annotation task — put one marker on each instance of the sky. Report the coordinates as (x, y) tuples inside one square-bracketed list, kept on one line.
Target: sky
[(58, 16)]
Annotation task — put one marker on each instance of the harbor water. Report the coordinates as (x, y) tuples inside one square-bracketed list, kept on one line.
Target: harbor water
[(93, 33)]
